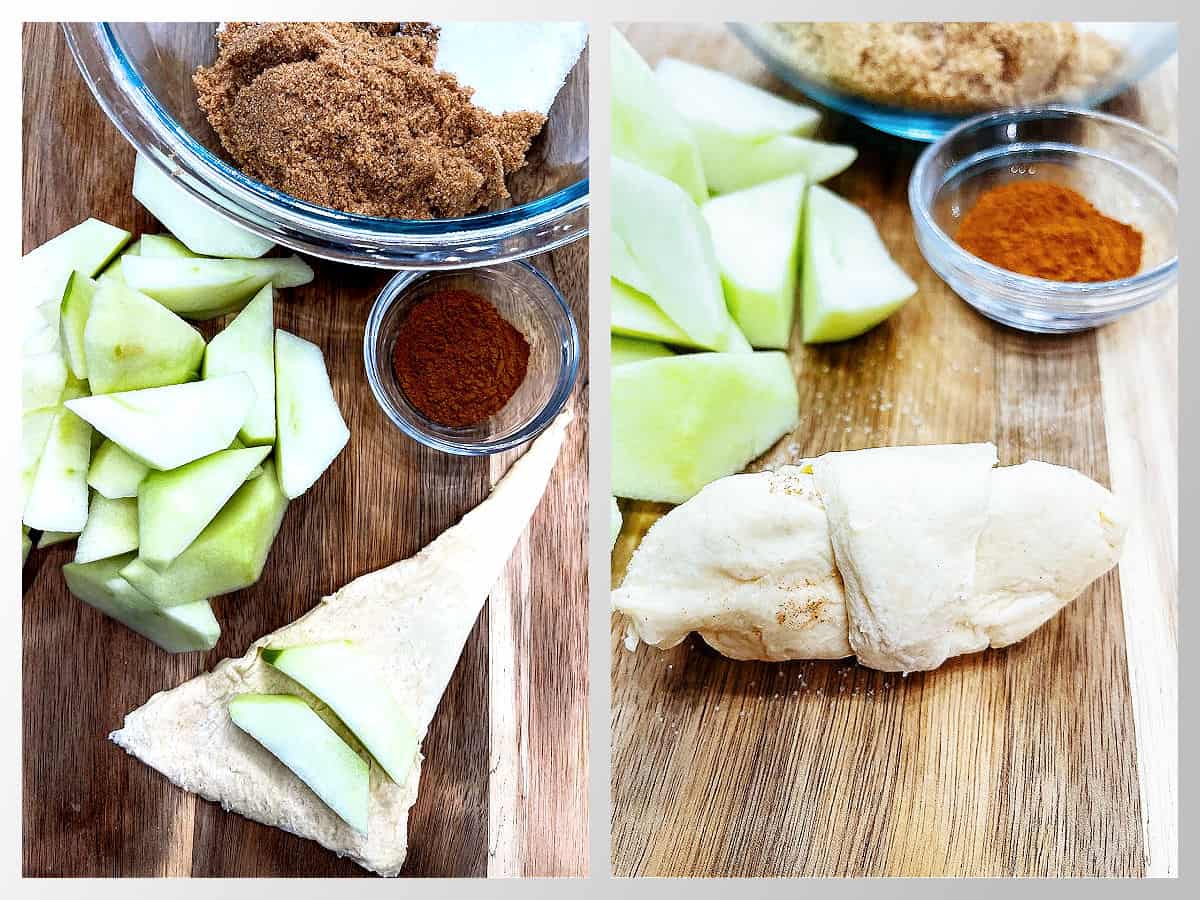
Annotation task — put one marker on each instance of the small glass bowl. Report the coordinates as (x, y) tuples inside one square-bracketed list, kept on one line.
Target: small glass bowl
[(1124, 170), (528, 301)]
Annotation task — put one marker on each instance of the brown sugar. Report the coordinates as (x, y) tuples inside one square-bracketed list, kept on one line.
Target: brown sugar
[(950, 67), (354, 116)]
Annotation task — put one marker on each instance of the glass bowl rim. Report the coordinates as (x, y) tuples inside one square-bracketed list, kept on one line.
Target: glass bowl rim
[(329, 224), (922, 176), (565, 384)]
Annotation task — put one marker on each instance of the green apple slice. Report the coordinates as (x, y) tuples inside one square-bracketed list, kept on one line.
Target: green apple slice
[(174, 507), (614, 523), (114, 473), (736, 165), (76, 306), (630, 350), (850, 283), (207, 288), (112, 272), (202, 229), (668, 239), (680, 422), (180, 629), (58, 495), (311, 429), (636, 315), (163, 246), (86, 248), (35, 431), (342, 678), (646, 129), (166, 427), (43, 377), (132, 342), (247, 345), (756, 235), (298, 738), (228, 555), (50, 538), (111, 529), (724, 106)]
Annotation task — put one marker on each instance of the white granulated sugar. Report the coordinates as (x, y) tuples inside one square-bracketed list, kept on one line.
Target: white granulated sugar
[(512, 66)]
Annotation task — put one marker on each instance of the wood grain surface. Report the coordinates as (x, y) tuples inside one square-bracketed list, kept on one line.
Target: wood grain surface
[(1053, 757), (518, 694)]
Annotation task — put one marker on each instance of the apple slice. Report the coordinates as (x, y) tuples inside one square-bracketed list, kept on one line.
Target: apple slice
[(850, 282), (132, 342), (756, 235), (114, 473), (50, 538), (311, 429), (668, 239), (76, 306), (630, 350), (174, 507), (58, 494), (736, 165), (43, 377), (201, 228), (247, 345), (228, 555), (179, 629), (163, 246), (166, 427), (614, 523), (111, 529), (636, 315), (297, 737), (35, 431), (342, 677), (646, 129), (727, 108), (86, 248), (680, 422), (207, 288), (112, 272)]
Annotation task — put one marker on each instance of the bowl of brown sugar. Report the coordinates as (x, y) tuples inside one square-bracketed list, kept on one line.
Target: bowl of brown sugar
[(399, 145), (471, 362), (1049, 219)]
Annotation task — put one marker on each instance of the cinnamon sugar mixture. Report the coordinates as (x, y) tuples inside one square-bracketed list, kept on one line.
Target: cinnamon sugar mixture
[(355, 117)]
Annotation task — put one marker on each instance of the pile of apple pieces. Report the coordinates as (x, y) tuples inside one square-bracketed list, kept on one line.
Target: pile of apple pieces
[(320, 750), (171, 461), (717, 213)]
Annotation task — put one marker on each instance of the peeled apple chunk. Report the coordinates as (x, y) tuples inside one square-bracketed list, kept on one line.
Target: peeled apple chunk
[(680, 422), (636, 315), (311, 430), (669, 241), (179, 629), (85, 248), (344, 678), (132, 342), (247, 345), (174, 507), (734, 166), (76, 306), (646, 129), (196, 225), (43, 377), (299, 739), (166, 427), (756, 235), (114, 473), (849, 282), (722, 107), (228, 555), (629, 350), (111, 529), (163, 246), (58, 498), (207, 288)]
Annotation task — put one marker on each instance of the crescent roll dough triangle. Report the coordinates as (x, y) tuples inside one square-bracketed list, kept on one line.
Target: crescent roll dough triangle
[(901, 556), (412, 618)]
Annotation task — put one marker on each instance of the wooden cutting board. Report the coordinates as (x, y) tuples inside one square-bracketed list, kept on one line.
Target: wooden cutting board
[(503, 788), (1054, 757)]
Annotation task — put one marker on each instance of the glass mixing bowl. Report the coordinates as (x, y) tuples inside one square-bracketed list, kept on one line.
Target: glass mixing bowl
[(141, 74), (1146, 46)]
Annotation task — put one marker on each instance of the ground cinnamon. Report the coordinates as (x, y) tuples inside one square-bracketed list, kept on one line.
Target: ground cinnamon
[(1049, 231), (354, 116), (457, 359)]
